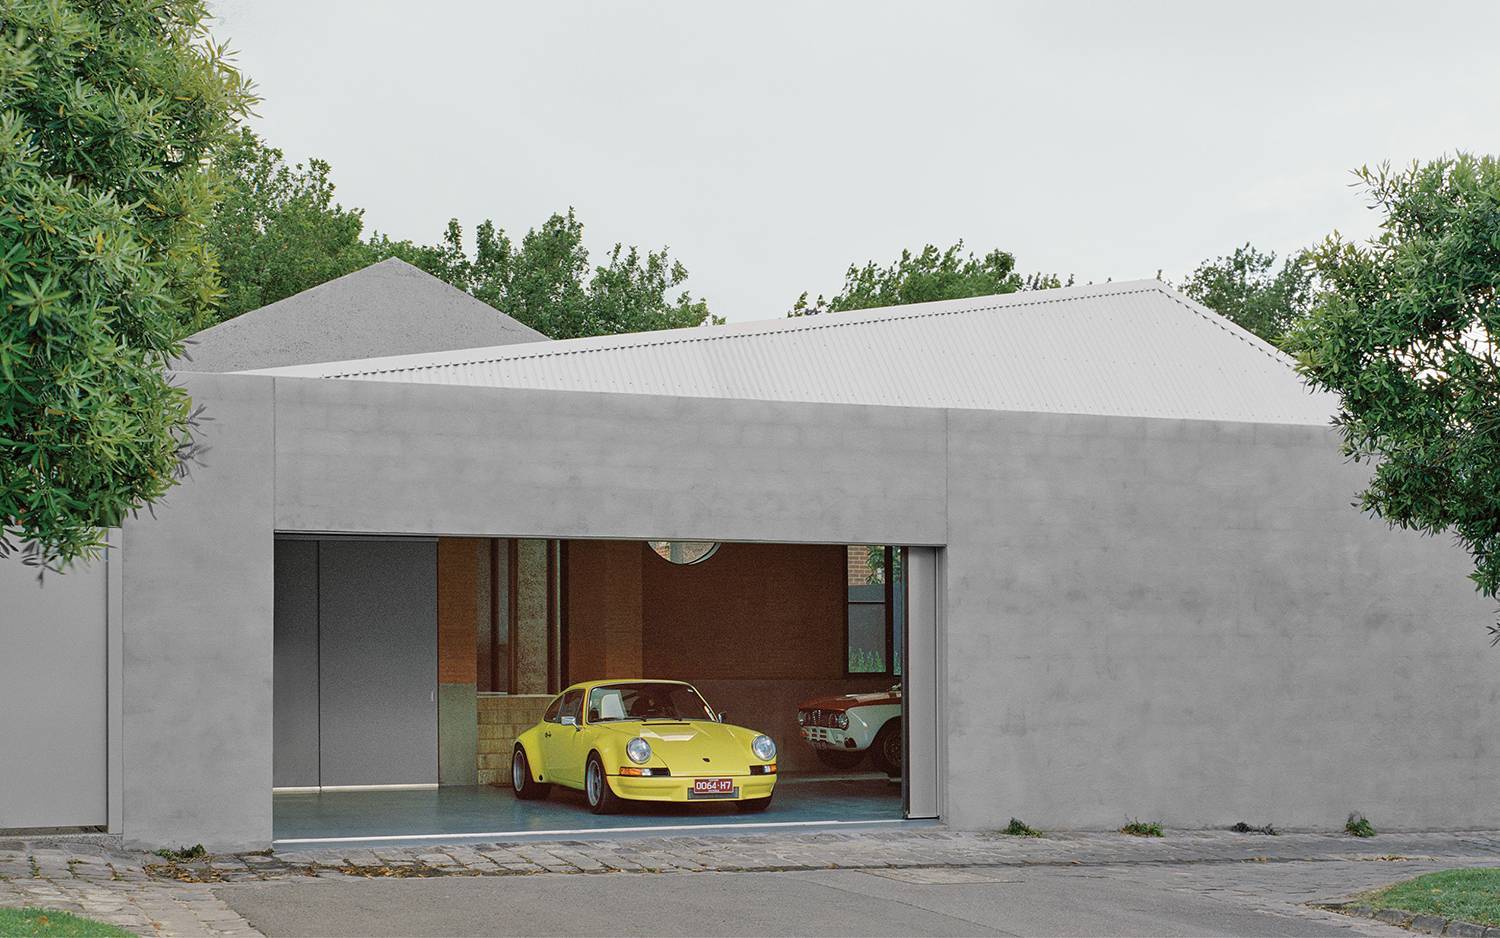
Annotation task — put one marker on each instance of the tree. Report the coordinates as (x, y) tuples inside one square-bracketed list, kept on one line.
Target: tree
[(1404, 331), (546, 281), (277, 230), (107, 114), (930, 274), (1249, 290)]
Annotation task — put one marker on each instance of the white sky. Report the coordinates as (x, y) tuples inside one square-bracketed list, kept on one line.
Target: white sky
[(771, 145)]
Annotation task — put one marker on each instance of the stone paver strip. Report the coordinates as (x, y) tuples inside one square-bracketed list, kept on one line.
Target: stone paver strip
[(153, 896)]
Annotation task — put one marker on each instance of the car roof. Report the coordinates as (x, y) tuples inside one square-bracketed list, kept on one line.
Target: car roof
[(589, 685)]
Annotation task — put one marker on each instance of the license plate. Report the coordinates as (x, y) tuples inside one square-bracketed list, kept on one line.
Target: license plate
[(713, 786)]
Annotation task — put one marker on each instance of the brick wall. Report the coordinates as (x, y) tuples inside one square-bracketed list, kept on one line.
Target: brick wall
[(501, 719)]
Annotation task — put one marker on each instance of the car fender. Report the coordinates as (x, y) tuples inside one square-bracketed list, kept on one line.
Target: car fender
[(531, 741)]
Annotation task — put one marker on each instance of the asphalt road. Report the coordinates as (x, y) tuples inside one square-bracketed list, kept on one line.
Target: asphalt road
[(1159, 900)]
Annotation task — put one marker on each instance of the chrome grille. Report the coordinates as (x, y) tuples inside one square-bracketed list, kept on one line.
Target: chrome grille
[(821, 718)]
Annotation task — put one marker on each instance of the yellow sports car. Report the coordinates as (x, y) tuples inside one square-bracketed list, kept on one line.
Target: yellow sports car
[(642, 741)]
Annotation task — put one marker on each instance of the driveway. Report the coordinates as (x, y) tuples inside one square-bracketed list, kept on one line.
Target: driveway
[(1164, 900)]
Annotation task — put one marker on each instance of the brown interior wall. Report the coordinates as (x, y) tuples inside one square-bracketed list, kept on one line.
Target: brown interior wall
[(757, 627), (604, 596), (751, 611), (459, 575)]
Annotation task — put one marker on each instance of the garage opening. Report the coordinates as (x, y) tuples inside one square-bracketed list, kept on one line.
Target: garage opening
[(408, 668)]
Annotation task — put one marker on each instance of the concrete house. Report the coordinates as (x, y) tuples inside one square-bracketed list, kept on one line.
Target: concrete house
[(1111, 561)]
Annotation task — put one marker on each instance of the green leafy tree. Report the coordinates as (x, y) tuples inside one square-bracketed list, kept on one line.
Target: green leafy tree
[(108, 111), (1248, 289), (277, 230), (1404, 331), (930, 274), (546, 280)]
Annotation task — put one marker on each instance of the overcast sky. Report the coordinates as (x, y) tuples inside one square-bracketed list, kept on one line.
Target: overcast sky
[(771, 145)]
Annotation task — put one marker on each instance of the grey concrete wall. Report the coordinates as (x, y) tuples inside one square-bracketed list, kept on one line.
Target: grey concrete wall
[(198, 636), (1165, 619), (1186, 621), (364, 456), (53, 660)]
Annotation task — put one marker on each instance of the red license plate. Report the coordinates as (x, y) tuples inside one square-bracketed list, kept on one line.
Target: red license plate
[(713, 786)]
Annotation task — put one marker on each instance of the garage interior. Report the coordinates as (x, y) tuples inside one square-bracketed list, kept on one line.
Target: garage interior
[(405, 667)]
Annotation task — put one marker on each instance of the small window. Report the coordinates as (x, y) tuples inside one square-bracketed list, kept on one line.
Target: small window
[(572, 706), (875, 612), (684, 552), (551, 715)]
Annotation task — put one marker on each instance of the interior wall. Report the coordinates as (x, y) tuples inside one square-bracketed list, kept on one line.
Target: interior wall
[(463, 604), (758, 628)]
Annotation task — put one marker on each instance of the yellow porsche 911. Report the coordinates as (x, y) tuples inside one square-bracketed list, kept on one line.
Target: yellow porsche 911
[(642, 741)]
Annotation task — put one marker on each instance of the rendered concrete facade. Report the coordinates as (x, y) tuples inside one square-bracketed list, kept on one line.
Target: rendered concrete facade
[(1171, 619)]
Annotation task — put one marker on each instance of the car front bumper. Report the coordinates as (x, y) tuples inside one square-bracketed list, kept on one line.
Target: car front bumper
[(680, 788), (827, 737)]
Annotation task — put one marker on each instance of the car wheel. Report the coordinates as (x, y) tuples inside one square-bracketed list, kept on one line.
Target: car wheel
[(525, 787), (753, 805), (596, 788), (886, 750), (841, 759)]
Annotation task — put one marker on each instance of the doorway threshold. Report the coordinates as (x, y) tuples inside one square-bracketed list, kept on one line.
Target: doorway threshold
[(707, 828)]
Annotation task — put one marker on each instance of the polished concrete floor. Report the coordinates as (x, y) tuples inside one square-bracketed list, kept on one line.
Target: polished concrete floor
[(484, 810)]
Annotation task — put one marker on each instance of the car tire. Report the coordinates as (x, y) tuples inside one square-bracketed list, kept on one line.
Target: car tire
[(525, 787), (886, 750), (753, 805), (841, 760), (601, 799)]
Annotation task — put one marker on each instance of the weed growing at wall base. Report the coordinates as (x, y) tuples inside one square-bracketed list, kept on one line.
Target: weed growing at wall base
[(1240, 827), (1019, 828), (1358, 826), (1142, 828)]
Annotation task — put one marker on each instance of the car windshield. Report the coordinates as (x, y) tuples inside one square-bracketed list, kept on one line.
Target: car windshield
[(646, 701)]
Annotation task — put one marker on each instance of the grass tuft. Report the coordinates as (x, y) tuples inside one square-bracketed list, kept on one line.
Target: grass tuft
[(1471, 895), (1019, 828), (42, 923), (181, 854), (1358, 826), (1136, 828), (1240, 827)]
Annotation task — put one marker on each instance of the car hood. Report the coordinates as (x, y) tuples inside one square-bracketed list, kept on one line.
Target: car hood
[(693, 747), (847, 701)]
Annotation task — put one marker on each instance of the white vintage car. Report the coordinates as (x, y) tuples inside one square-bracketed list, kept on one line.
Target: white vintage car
[(842, 729)]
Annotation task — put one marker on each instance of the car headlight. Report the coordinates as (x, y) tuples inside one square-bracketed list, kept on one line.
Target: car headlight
[(841, 721), (638, 750), (764, 748)]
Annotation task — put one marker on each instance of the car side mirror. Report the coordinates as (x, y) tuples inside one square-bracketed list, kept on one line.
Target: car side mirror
[(569, 721)]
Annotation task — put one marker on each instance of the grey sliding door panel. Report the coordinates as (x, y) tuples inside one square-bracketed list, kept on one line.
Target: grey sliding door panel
[(378, 662), (294, 696)]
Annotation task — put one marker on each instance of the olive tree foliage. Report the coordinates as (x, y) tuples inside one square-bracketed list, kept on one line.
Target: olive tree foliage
[(1250, 290), (1404, 331), (108, 109), (929, 274)]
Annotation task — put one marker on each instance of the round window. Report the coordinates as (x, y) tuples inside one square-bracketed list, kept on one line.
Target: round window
[(684, 551)]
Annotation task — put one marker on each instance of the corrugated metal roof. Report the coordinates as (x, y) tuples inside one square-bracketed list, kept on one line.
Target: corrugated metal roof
[(1127, 349)]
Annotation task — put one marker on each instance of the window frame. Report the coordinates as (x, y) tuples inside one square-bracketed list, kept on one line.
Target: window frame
[(888, 602)]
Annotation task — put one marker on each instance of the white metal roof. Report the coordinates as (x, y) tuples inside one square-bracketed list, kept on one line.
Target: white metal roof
[(1127, 349)]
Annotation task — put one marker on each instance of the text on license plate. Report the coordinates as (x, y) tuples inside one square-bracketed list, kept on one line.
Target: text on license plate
[(713, 786)]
